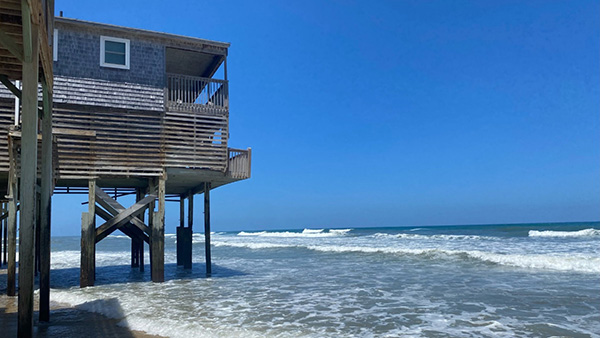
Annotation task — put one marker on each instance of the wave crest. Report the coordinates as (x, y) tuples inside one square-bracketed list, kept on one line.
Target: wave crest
[(549, 233), (304, 233)]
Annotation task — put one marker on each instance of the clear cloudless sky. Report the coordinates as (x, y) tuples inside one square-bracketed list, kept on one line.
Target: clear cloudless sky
[(393, 113)]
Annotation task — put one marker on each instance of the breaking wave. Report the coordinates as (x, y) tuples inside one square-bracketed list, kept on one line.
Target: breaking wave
[(304, 233), (580, 233)]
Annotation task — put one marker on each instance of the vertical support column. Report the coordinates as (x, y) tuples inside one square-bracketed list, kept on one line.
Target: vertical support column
[(180, 230), (36, 265), (139, 195), (13, 193), (5, 239), (158, 236), (136, 245), (187, 256), (207, 227), (2, 232), (46, 204), (87, 272), (28, 172)]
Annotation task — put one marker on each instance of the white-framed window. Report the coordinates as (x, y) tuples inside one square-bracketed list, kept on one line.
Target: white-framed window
[(55, 45), (114, 52)]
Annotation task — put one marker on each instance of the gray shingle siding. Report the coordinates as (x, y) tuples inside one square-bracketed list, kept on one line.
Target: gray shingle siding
[(101, 93), (79, 56)]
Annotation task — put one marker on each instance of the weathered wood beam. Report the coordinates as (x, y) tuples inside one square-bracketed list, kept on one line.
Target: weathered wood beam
[(9, 43), (47, 182), (6, 214), (13, 194), (207, 228), (127, 228), (158, 236), (87, 271), (8, 84), (28, 172), (108, 227), (114, 207)]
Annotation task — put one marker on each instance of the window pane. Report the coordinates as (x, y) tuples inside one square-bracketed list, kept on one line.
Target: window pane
[(117, 47), (114, 58)]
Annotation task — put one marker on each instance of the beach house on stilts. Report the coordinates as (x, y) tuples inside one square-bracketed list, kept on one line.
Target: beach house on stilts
[(134, 112)]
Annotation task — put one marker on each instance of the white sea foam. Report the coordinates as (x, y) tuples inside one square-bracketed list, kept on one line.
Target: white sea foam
[(251, 245), (304, 233), (580, 233), (581, 263), (432, 237)]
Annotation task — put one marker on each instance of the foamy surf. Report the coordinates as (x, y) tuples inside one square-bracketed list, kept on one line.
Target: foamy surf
[(304, 233), (580, 233)]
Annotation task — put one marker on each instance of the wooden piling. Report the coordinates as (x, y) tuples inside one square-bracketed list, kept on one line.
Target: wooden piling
[(157, 242), (46, 203), (29, 132), (187, 248), (5, 239), (140, 195), (2, 233), (13, 193), (88, 240), (207, 227), (179, 237)]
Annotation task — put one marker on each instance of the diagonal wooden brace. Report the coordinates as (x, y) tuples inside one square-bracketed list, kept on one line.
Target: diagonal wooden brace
[(127, 228), (123, 217), (114, 208)]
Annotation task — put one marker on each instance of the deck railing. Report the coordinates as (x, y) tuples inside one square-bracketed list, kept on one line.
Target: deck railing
[(198, 94), (239, 163)]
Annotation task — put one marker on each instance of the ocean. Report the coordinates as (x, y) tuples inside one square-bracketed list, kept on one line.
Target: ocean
[(525, 280)]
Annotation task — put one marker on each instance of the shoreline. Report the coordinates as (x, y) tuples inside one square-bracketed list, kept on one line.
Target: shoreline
[(65, 320)]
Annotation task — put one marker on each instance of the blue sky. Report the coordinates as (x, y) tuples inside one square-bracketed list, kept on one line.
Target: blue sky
[(393, 113)]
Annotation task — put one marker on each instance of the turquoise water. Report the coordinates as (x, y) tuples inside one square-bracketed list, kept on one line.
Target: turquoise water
[(454, 281)]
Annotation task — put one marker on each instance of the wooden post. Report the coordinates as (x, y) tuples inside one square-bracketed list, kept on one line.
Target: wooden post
[(28, 171), (5, 239), (87, 271), (207, 227), (187, 257), (180, 230), (46, 204), (36, 265), (2, 233), (13, 193), (136, 245), (139, 196), (158, 236)]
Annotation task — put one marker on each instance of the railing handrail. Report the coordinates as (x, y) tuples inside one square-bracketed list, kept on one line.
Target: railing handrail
[(191, 77), (239, 164)]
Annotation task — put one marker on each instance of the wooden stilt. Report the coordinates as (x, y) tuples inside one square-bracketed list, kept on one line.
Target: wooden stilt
[(158, 236), (207, 228), (36, 268), (46, 204), (88, 240), (136, 244), (140, 195), (187, 257), (179, 245), (2, 232), (28, 172), (5, 239), (13, 193)]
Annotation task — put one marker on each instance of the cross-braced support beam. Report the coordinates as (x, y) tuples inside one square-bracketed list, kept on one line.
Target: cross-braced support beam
[(131, 222)]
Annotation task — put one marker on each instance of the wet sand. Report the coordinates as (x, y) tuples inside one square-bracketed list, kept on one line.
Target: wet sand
[(65, 321)]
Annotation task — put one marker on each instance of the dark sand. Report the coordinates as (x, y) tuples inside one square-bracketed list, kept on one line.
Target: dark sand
[(65, 321)]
